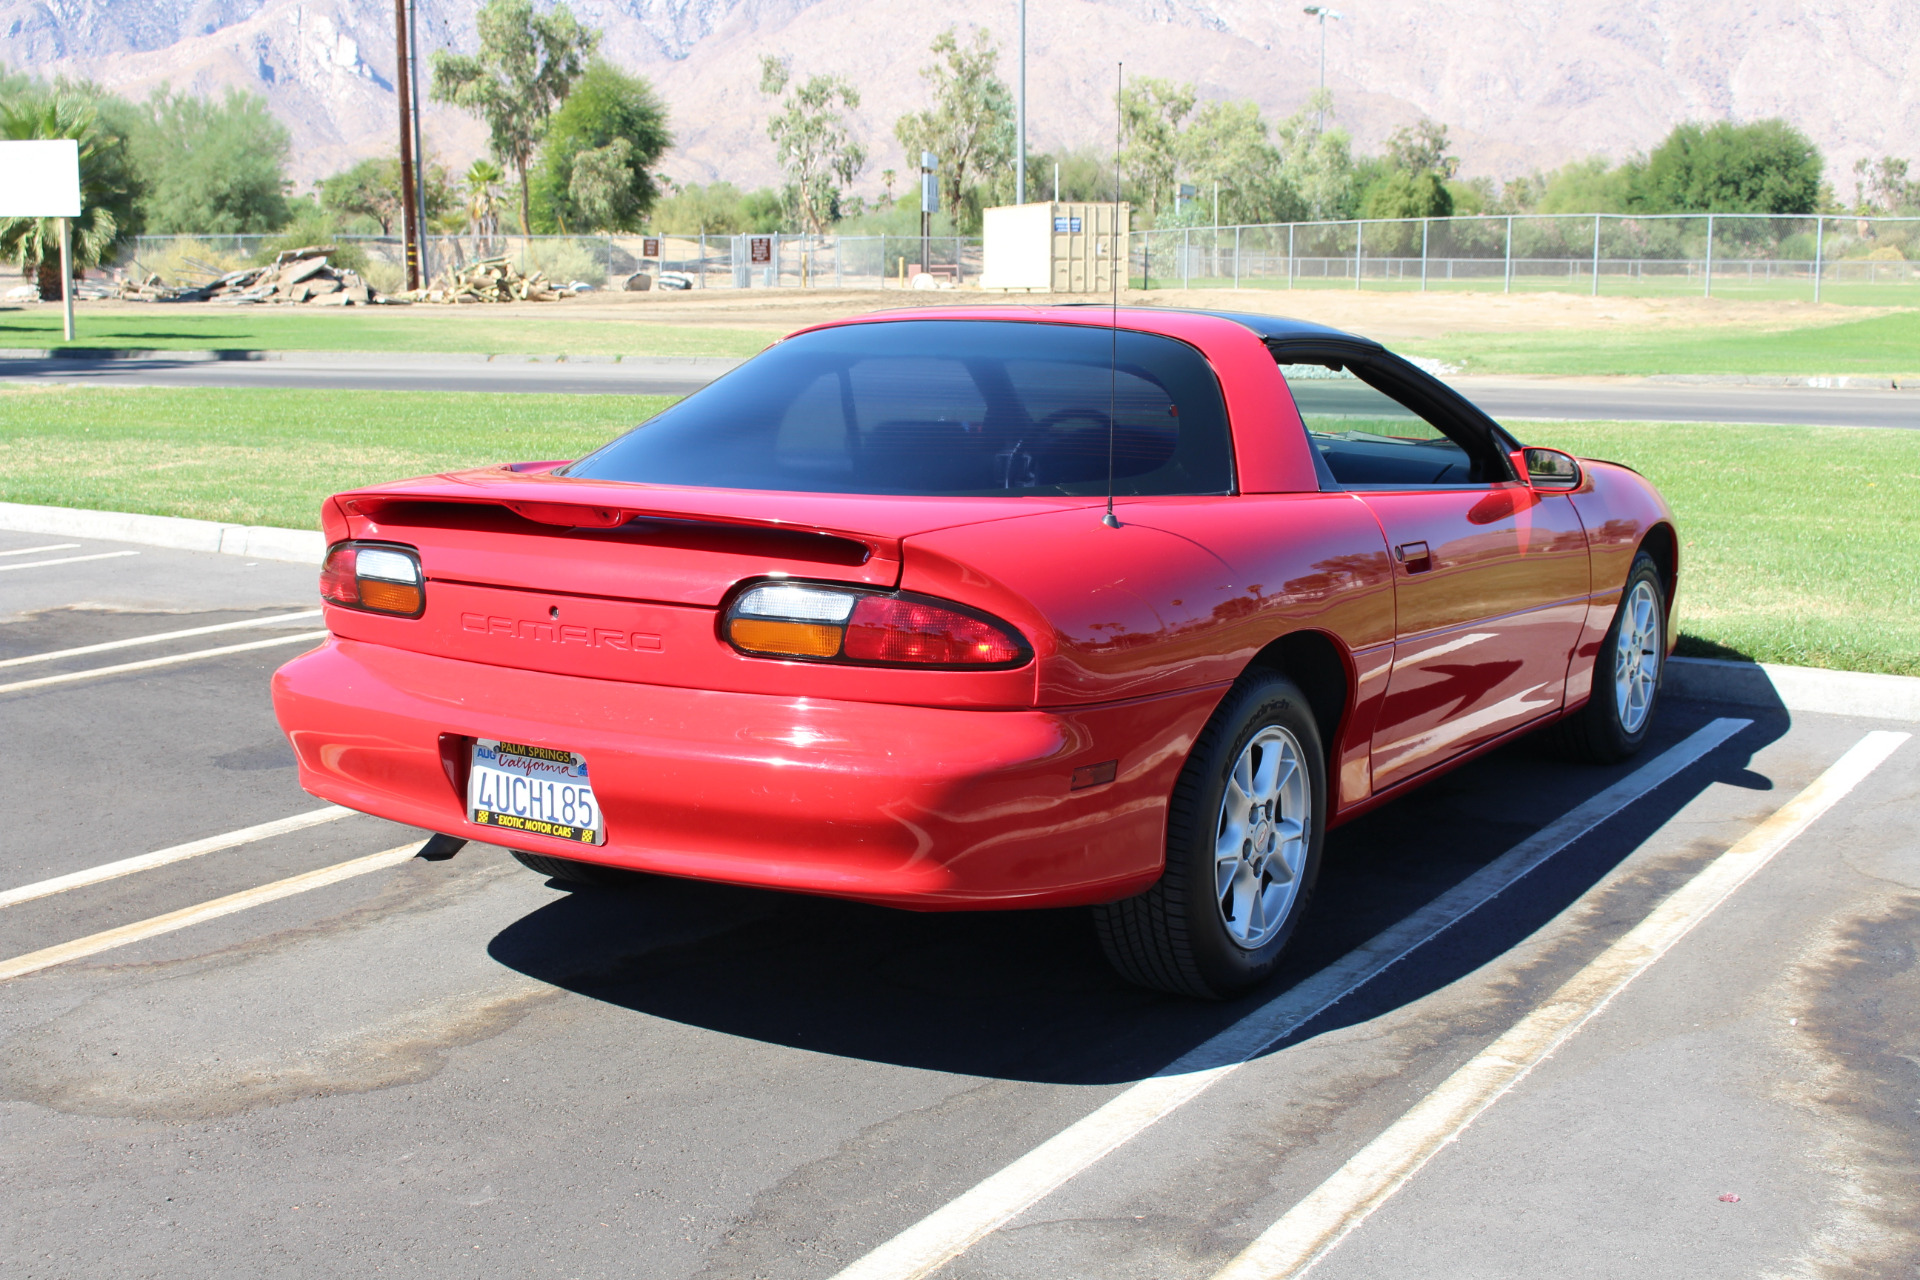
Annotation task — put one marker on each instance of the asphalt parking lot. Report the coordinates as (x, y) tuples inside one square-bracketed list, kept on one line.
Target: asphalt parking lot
[(458, 1068)]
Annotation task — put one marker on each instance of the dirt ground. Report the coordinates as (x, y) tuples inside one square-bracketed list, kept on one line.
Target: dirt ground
[(1380, 314), (1386, 315)]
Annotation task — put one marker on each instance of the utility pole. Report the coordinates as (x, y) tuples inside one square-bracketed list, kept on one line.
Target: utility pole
[(1020, 117), (409, 197), (1322, 12)]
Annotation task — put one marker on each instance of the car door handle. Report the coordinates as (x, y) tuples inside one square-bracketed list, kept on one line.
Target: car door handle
[(1415, 556)]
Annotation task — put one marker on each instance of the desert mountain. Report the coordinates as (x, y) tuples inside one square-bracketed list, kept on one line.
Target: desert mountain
[(1523, 83)]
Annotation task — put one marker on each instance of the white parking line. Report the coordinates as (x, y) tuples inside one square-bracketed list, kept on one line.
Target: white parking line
[(1312, 1228), (175, 853), (34, 551), (42, 564), (158, 637), (140, 931), (167, 661), (946, 1233)]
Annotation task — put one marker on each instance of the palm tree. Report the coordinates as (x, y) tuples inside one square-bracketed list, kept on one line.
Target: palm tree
[(107, 190), (483, 201)]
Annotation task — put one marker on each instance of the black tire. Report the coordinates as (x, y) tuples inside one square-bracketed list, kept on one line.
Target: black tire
[(1176, 936), (1599, 732), (584, 873)]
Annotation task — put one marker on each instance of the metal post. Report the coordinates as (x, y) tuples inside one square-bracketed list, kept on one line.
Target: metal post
[(1186, 257), (66, 276), (1596, 255), (419, 150), (1426, 225), (409, 204), (1236, 257), (1708, 273), (1359, 244), (1290, 255), (703, 259), (1819, 259), (1507, 287), (1020, 117)]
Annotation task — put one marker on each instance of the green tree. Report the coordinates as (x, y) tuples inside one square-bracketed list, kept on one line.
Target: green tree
[(526, 66), (1592, 185), (1767, 166), (970, 125), (1422, 148), (108, 187), (371, 189), (1882, 187), (1151, 112), (595, 170), (480, 190), (212, 167), (1317, 162), (811, 141), (1402, 193), (1229, 144), (718, 209)]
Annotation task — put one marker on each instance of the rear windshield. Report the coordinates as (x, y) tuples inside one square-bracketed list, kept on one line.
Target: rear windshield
[(943, 407)]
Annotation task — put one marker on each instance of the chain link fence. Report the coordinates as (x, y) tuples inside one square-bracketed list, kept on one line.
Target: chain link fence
[(602, 262), (1758, 257), (1840, 259)]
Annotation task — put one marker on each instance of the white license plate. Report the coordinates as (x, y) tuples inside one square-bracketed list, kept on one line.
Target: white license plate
[(536, 789)]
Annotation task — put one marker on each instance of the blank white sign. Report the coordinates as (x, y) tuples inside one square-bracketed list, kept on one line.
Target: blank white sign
[(40, 179)]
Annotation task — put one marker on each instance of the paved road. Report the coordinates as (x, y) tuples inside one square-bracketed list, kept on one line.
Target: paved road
[(1508, 398), (459, 1068)]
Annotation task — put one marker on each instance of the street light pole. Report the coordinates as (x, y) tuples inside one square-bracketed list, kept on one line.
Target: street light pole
[(1020, 117), (1322, 12)]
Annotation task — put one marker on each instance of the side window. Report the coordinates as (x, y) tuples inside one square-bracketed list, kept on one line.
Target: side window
[(1371, 440)]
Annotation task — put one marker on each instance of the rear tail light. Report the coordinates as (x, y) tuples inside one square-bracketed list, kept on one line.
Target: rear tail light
[(795, 620), (374, 577)]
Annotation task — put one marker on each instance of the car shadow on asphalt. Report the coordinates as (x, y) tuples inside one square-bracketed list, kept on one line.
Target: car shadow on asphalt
[(1026, 995)]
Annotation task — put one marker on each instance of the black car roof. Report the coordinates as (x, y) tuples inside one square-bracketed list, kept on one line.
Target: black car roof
[(1269, 328)]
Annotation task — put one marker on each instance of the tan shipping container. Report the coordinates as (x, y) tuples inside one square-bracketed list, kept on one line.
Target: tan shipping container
[(1054, 246)]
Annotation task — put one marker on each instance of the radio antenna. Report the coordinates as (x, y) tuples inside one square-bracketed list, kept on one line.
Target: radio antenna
[(1116, 263)]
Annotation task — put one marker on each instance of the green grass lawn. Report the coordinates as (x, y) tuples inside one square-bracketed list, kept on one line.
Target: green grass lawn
[(270, 457), (1798, 544), (1886, 344), (218, 328)]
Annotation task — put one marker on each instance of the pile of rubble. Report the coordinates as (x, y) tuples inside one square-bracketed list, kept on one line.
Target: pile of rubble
[(297, 275), (486, 280)]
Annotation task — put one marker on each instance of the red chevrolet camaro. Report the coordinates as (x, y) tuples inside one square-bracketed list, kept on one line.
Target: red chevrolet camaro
[(984, 608)]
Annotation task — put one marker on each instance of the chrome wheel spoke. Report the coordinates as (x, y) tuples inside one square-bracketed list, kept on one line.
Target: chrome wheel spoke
[(1636, 657), (1260, 842)]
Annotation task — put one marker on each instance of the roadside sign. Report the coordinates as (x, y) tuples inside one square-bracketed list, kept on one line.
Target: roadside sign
[(43, 179), (650, 246), (759, 249)]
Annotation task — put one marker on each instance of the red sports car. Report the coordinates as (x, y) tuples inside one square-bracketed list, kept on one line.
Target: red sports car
[(989, 607)]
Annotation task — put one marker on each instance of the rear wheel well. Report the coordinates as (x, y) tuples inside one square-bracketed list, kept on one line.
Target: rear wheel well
[(1661, 544), (1314, 662)]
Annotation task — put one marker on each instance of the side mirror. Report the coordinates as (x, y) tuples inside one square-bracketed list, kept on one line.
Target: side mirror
[(1552, 469)]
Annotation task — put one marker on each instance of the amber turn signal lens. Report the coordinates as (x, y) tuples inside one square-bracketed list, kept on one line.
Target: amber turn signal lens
[(785, 639), (389, 597)]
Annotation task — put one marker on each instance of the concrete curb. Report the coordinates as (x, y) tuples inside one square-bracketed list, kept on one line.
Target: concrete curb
[(107, 355), (1751, 684), (1765, 684), (256, 542), (1824, 381)]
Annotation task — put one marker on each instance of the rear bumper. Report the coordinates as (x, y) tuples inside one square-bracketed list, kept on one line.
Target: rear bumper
[(930, 808)]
